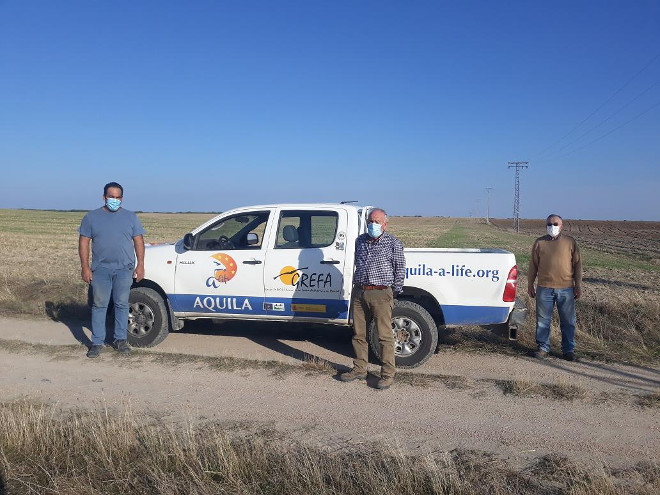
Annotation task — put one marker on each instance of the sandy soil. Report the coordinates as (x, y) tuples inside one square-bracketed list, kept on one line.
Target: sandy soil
[(606, 425)]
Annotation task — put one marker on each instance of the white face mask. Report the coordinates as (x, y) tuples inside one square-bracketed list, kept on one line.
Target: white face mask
[(553, 230)]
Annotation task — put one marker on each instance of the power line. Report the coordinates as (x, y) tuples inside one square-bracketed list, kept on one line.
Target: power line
[(626, 105), (611, 131), (543, 151)]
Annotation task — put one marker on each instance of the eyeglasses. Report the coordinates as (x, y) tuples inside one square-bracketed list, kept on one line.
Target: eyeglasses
[(556, 224)]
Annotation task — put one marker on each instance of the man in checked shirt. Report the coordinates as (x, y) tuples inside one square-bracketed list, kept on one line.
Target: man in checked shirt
[(380, 268)]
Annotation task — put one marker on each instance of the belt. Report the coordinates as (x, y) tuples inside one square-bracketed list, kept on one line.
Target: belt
[(374, 287)]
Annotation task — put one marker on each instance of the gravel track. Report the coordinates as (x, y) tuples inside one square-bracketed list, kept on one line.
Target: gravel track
[(605, 425)]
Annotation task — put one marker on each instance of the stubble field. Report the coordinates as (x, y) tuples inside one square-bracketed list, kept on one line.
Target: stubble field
[(46, 450), (618, 315)]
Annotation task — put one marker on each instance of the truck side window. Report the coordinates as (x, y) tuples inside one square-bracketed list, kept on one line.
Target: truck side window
[(232, 233), (306, 229)]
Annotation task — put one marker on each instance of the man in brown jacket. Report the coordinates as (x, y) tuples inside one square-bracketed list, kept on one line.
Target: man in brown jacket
[(556, 262)]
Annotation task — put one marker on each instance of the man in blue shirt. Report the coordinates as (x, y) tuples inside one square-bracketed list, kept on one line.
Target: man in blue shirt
[(116, 236), (380, 267)]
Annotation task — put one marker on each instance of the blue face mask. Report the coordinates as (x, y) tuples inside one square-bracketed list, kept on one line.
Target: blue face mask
[(374, 230), (113, 204)]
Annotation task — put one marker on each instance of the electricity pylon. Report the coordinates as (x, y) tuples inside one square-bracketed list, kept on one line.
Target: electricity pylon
[(516, 198)]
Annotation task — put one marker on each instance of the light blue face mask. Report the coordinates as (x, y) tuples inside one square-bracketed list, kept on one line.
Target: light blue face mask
[(374, 230), (113, 204)]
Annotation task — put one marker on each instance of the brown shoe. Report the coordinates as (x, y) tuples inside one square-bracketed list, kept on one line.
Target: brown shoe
[(354, 374), (541, 354), (385, 382)]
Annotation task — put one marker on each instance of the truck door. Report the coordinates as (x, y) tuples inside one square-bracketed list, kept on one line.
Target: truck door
[(304, 274), (223, 272)]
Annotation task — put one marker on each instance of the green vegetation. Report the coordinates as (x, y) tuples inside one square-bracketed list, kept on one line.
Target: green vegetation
[(457, 237)]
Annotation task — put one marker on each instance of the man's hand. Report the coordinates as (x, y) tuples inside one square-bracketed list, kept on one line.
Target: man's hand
[(531, 291), (86, 274), (577, 292), (138, 243)]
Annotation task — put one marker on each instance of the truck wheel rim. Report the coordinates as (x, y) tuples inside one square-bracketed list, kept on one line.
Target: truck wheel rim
[(407, 336), (140, 319)]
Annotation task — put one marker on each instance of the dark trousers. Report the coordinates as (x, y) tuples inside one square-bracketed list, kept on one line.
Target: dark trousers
[(373, 305)]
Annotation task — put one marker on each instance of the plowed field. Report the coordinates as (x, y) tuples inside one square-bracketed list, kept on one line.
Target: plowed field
[(640, 239)]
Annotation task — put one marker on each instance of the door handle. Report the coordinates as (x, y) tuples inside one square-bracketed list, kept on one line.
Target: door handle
[(252, 262), (330, 262)]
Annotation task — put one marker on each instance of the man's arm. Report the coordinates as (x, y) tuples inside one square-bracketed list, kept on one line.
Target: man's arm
[(577, 272), (399, 269), (138, 243), (533, 270), (83, 252)]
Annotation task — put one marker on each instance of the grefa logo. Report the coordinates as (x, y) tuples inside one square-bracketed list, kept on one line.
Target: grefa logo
[(296, 277), (225, 270), (290, 275)]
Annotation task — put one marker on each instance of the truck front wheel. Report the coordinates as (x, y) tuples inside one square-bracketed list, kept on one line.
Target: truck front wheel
[(147, 318), (415, 335)]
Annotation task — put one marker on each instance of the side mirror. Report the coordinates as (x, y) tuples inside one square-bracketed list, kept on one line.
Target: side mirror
[(252, 239), (188, 241)]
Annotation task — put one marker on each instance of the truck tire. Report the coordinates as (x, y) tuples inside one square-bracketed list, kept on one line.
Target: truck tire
[(148, 324), (415, 335)]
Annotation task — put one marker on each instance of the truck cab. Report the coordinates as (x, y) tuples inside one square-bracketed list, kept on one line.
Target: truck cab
[(295, 262)]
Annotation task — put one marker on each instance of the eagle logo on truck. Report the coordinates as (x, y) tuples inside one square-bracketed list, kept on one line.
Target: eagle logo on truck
[(225, 270)]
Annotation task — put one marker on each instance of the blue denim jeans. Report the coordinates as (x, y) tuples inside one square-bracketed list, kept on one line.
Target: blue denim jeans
[(545, 302), (107, 282)]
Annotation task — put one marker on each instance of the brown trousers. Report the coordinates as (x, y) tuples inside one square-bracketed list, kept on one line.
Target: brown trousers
[(376, 305)]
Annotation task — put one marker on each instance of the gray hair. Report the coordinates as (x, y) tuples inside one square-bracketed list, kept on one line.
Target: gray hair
[(554, 215), (374, 210)]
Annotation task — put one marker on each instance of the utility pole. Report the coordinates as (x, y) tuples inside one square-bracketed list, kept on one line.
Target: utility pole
[(488, 190), (516, 198)]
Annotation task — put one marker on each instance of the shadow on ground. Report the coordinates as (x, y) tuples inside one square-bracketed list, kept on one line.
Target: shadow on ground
[(75, 316), (477, 338), (647, 380), (272, 335), (3, 487)]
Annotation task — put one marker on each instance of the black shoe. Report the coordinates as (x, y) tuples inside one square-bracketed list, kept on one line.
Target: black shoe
[(121, 346), (94, 351), (541, 354), (569, 356)]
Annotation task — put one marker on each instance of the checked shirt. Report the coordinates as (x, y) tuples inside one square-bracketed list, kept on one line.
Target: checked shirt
[(380, 262)]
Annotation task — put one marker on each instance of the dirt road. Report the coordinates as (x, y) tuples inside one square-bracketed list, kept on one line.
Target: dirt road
[(469, 405)]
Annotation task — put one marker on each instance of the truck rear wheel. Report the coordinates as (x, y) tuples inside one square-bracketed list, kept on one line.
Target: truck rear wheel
[(147, 318), (415, 335)]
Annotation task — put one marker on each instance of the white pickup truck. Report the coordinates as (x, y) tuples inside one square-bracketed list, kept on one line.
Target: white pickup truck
[(294, 262)]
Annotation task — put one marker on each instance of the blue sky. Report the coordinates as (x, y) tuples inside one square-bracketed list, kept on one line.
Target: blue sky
[(416, 106)]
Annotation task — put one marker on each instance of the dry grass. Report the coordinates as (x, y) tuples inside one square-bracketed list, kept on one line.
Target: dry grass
[(618, 317), (40, 256), (46, 450), (619, 313), (649, 400), (556, 391)]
